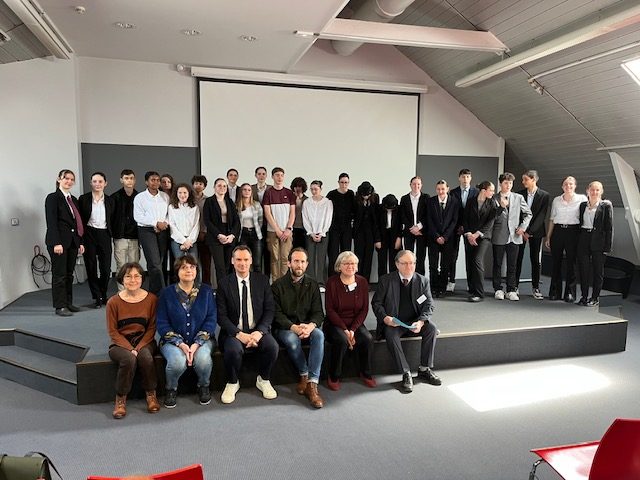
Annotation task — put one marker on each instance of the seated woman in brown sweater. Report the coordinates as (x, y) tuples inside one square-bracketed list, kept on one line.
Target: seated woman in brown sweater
[(347, 305), (131, 324)]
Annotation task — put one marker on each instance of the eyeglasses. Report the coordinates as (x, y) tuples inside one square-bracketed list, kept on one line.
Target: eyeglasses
[(349, 264), (406, 263), (133, 277)]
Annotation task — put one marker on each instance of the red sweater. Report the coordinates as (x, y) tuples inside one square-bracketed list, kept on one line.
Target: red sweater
[(346, 309)]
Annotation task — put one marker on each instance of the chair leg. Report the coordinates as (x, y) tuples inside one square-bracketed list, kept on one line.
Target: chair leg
[(532, 473)]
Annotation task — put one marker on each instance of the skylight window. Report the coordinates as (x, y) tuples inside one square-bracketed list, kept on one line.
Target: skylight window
[(632, 67)]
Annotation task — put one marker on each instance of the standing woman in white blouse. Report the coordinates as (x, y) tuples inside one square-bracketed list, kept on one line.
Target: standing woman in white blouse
[(317, 213), (184, 222), (251, 220), (562, 238)]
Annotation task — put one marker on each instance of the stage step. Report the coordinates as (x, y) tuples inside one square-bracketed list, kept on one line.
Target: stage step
[(42, 363)]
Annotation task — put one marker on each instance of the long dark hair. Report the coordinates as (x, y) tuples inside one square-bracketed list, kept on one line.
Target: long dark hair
[(174, 196)]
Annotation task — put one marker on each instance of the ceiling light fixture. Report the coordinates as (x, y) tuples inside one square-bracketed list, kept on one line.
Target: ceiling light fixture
[(248, 38), (191, 32), (4, 37), (80, 10), (125, 25), (632, 67)]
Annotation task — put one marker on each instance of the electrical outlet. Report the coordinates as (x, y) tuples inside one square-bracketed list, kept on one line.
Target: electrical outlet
[(15, 222)]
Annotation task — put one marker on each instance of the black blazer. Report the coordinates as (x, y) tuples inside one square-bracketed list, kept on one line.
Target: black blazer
[(457, 193), (602, 233), (228, 299), (406, 212), (540, 210), (396, 224), (213, 219), (61, 226), (442, 223), (480, 220), (366, 218), (386, 300), (85, 203)]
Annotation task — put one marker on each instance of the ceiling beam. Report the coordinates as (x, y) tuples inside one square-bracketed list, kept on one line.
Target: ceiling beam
[(408, 35), (607, 24)]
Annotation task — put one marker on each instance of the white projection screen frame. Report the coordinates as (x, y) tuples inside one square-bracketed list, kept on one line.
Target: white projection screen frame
[(313, 133)]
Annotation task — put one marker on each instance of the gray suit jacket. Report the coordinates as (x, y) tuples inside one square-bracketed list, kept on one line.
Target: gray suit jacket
[(386, 300), (516, 215)]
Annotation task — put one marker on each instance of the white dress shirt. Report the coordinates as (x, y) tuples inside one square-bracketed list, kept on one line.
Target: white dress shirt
[(252, 322), (567, 213), (414, 206), (184, 222), (317, 216), (149, 209), (98, 218)]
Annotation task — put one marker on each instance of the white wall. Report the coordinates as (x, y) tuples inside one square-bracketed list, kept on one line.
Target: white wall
[(136, 103), (38, 138)]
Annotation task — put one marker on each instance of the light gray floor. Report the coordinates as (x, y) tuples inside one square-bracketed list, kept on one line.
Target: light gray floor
[(360, 434)]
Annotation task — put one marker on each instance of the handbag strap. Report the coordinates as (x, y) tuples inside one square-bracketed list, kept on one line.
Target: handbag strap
[(47, 459)]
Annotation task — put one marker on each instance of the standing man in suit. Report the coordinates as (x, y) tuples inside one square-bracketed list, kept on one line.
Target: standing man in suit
[(405, 296), (64, 241), (442, 218), (413, 214), (124, 229), (96, 210), (538, 201), (245, 314), (150, 211), (344, 211), (464, 193), (390, 234), (512, 220)]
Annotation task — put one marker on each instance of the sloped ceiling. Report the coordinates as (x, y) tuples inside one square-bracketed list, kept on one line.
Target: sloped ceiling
[(583, 108), (23, 44)]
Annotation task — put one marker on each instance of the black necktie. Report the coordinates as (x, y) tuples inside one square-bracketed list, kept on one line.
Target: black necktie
[(245, 314), (442, 204), (405, 282)]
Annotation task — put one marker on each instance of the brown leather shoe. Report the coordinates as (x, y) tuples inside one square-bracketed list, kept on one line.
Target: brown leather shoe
[(153, 405), (312, 394), (302, 384), (120, 409)]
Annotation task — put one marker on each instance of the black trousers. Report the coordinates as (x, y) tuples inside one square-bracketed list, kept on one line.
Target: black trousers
[(591, 266), (439, 265), (339, 346), (339, 241), (455, 246), (249, 237), (299, 238), (363, 248), (233, 351), (419, 246), (475, 266), (387, 254), (205, 261), (428, 333), (129, 363), (564, 241), (266, 254), (535, 244), (512, 260), (62, 267), (155, 247), (97, 253)]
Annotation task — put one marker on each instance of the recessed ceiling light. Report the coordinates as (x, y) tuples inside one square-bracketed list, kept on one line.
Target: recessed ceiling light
[(191, 32), (125, 25), (248, 38)]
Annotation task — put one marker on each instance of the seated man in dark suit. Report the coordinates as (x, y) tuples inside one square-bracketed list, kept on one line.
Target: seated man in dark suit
[(246, 324), (405, 296)]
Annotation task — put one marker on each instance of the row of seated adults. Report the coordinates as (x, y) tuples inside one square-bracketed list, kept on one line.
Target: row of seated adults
[(256, 316)]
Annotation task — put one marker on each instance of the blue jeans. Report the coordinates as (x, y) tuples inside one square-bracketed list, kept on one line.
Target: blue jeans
[(193, 251), (177, 364), (293, 344)]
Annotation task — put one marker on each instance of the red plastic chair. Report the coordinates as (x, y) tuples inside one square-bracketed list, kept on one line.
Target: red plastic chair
[(192, 472), (616, 456)]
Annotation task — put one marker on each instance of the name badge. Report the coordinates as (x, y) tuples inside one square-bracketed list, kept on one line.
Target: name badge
[(352, 286), (421, 299)]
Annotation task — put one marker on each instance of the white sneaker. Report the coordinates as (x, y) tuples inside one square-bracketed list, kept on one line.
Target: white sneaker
[(265, 387), (513, 296), (451, 287), (537, 295), (499, 295), (229, 394)]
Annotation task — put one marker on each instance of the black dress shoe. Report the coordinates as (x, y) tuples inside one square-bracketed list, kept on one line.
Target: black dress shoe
[(407, 383), (569, 298), (97, 304), (73, 308), (63, 312), (429, 377), (582, 301), (593, 302), (553, 297)]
